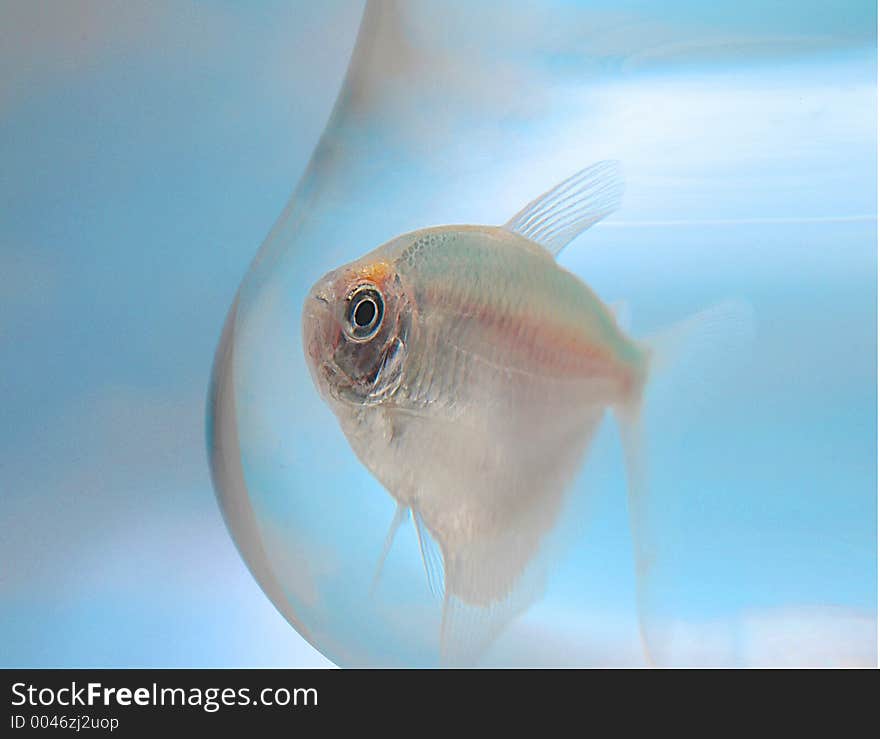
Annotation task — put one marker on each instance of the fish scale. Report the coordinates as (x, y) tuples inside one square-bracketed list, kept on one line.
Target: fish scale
[(544, 322)]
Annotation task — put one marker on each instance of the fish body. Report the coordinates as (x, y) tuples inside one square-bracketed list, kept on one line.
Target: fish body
[(510, 362), (469, 372)]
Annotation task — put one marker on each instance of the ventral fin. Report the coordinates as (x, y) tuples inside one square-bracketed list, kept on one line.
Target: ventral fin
[(563, 213), (432, 558), (400, 515)]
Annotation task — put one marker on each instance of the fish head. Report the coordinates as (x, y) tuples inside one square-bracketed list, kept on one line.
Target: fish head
[(356, 321)]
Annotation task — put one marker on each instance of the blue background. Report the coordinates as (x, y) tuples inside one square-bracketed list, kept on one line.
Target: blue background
[(147, 148)]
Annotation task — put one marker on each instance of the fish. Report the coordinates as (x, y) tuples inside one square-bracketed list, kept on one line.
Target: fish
[(469, 372)]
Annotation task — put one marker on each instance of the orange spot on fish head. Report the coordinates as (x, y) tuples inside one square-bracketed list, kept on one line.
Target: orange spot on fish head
[(379, 273)]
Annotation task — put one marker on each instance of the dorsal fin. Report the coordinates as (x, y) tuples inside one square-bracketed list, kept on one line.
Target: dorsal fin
[(559, 215)]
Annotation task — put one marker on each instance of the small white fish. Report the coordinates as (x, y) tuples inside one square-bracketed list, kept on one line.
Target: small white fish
[(469, 372)]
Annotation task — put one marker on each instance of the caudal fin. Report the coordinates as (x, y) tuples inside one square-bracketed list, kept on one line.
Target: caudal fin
[(696, 351)]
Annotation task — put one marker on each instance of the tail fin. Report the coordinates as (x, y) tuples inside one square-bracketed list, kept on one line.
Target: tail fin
[(700, 348), (696, 348)]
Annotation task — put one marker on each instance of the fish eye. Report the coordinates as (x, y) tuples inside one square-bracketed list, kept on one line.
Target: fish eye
[(365, 310)]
